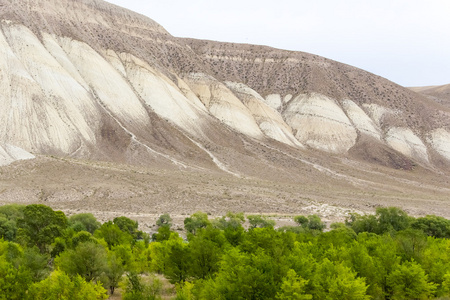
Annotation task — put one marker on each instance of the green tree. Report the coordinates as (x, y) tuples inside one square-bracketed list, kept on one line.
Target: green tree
[(177, 263), (60, 286), (366, 267), (184, 291), (367, 223), (386, 219), (436, 261), (12, 211), (233, 220), (87, 259), (391, 218), (82, 237), (231, 224), (301, 260), (113, 272), (409, 281), (40, 226), (125, 254), (293, 288), (127, 225), (142, 257), (36, 263), (196, 221), (113, 235), (59, 245), (164, 221), (136, 289), (336, 281), (158, 256), (446, 285), (383, 250), (433, 226), (14, 282), (245, 276), (8, 228), (84, 221), (14, 277), (312, 222), (411, 244), (163, 234), (258, 221), (315, 223), (205, 256), (301, 220)]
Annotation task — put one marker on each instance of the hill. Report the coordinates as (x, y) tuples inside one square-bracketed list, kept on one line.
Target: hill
[(87, 82)]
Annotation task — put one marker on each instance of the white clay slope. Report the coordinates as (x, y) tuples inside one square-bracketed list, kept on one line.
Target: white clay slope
[(37, 111), (440, 141), (406, 142), (360, 120), (270, 121), (274, 101), (223, 104), (109, 85), (320, 123), (164, 97), (10, 154)]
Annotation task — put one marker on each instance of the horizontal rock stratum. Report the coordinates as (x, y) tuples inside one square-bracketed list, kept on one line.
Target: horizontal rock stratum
[(87, 79)]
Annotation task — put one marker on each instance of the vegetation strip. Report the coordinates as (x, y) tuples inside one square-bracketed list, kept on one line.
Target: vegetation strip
[(389, 255)]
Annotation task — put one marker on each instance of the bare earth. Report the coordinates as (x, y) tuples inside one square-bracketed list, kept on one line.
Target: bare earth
[(143, 193)]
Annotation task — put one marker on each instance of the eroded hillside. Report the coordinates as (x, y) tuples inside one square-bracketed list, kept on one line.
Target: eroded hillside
[(87, 80)]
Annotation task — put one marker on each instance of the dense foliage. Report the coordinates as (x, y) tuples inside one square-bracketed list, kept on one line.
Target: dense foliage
[(389, 255)]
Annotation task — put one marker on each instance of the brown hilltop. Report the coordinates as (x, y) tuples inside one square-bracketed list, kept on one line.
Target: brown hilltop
[(440, 93)]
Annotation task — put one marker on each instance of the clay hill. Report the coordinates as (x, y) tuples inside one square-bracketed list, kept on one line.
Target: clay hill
[(118, 114)]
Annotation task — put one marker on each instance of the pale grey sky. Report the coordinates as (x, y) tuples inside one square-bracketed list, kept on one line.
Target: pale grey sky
[(406, 41)]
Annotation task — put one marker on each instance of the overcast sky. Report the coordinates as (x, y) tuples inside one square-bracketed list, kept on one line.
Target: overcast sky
[(406, 41)]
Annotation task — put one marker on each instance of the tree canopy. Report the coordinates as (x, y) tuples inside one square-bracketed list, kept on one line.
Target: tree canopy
[(388, 255)]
